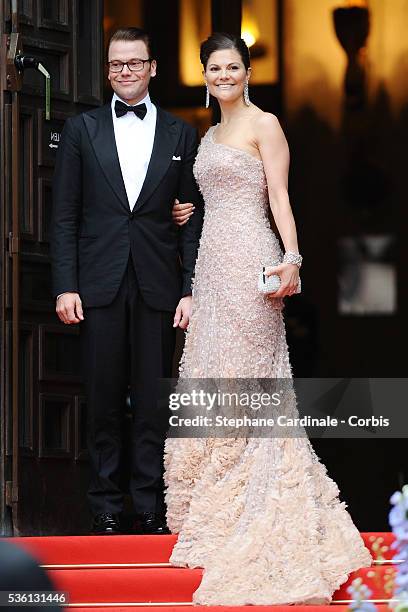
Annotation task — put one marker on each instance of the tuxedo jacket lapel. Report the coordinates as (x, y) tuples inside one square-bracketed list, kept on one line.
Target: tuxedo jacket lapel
[(100, 129), (166, 137)]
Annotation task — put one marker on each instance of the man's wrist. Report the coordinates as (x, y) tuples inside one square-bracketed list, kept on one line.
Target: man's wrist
[(64, 293)]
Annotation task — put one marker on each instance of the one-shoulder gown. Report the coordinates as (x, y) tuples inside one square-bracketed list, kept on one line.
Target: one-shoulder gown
[(260, 515)]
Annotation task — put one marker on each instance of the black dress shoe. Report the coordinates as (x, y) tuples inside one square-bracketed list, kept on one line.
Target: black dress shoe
[(150, 523), (106, 523)]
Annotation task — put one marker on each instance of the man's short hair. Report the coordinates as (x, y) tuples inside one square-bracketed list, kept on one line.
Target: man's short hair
[(132, 34)]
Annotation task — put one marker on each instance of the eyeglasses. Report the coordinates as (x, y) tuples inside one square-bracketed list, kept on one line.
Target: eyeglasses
[(134, 65)]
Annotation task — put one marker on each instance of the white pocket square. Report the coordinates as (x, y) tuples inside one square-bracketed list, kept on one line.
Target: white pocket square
[(176, 158)]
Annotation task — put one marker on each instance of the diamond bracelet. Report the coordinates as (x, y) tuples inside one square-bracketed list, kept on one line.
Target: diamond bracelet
[(290, 257)]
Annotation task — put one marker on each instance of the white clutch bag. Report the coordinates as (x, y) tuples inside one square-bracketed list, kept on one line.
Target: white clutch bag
[(270, 284)]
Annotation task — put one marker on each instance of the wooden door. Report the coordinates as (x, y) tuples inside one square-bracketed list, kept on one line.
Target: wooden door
[(43, 459)]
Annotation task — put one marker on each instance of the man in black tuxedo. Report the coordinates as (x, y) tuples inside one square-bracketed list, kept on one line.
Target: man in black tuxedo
[(123, 270)]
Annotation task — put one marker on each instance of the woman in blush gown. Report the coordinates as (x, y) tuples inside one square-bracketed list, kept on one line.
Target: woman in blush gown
[(260, 515)]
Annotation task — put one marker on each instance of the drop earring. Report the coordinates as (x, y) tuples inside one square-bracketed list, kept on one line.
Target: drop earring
[(246, 94), (207, 96)]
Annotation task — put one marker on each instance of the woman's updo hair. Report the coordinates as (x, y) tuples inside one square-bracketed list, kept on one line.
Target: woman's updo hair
[(219, 41)]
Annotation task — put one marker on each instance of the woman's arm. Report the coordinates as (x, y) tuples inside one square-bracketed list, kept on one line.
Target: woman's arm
[(274, 151)]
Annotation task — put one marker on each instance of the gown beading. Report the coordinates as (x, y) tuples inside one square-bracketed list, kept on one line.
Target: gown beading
[(260, 515)]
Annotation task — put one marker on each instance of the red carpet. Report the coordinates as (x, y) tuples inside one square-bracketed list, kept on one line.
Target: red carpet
[(132, 572)]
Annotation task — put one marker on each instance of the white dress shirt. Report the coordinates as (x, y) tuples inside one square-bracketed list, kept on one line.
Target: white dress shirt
[(134, 143)]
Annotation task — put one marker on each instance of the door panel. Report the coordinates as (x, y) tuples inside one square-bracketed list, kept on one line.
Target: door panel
[(45, 467)]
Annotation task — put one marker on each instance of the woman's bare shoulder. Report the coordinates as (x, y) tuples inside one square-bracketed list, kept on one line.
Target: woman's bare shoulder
[(267, 130), (266, 121)]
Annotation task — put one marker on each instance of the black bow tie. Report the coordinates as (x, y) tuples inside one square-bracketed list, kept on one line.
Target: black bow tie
[(121, 109)]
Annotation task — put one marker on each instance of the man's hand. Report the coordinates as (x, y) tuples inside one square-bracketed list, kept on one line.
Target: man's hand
[(182, 212), (183, 312), (69, 308)]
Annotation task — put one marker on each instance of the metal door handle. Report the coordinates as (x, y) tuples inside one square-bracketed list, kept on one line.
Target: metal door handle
[(23, 62)]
